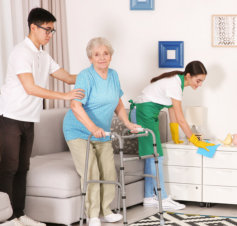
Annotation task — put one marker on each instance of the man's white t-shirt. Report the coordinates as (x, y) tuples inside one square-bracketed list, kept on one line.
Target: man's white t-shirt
[(15, 103), (162, 91)]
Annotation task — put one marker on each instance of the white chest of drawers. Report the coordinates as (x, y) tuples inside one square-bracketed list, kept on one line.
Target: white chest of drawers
[(220, 176), (192, 177), (183, 172)]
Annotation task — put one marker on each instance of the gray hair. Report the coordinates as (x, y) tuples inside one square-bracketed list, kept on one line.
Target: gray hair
[(99, 41)]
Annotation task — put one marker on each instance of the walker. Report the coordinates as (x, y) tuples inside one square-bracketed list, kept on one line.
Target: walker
[(121, 183)]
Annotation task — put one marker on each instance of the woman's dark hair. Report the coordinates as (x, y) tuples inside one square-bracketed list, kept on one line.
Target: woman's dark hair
[(193, 68), (40, 16)]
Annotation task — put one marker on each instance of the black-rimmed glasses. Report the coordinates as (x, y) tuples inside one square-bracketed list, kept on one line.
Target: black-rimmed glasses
[(48, 30)]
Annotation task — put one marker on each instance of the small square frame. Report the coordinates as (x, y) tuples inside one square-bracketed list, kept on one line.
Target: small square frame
[(141, 4), (171, 54)]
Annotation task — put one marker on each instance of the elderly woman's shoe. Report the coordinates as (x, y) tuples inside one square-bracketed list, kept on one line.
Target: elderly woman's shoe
[(113, 217), (94, 221)]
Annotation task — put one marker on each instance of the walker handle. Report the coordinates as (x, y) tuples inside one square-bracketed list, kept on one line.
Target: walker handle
[(139, 129), (107, 134)]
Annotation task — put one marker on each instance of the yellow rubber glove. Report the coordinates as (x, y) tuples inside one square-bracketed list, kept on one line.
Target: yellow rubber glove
[(201, 144), (174, 129)]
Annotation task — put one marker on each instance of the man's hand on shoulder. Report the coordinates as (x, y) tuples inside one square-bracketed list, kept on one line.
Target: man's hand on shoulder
[(75, 94)]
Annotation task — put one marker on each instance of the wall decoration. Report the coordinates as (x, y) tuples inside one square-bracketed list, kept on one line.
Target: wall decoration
[(224, 30), (141, 4), (171, 54)]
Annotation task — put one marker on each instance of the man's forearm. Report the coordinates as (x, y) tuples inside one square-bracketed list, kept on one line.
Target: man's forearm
[(45, 93), (72, 79), (64, 76)]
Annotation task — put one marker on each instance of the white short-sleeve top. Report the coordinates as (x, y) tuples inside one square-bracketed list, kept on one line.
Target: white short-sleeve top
[(162, 91), (15, 103)]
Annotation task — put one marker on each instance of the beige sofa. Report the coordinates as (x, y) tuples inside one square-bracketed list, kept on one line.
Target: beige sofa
[(53, 185)]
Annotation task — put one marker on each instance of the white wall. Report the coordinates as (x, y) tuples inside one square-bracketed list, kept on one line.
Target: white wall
[(135, 35)]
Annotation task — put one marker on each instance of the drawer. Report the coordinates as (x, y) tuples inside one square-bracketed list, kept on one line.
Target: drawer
[(221, 177), (186, 192), (222, 159), (219, 194), (182, 157), (180, 174)]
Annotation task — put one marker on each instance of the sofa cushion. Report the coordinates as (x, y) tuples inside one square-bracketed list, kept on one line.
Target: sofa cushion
[(49, 136), (134, 166), (131, 145), (5, 207), (54, 175)]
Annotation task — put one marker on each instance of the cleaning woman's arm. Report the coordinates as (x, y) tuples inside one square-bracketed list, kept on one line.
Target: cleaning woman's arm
[(174, 127), (177, 116)]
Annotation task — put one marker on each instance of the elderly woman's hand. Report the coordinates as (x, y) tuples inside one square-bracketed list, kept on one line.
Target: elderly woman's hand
[(132, 127), (98, 132)]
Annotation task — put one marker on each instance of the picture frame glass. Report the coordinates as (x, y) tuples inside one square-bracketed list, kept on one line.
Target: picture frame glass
[(171, 54)]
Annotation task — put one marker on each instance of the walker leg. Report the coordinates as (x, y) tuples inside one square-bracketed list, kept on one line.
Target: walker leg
[(118, 198), (82, 208), (123, 188), (162, 221), (84, 184)]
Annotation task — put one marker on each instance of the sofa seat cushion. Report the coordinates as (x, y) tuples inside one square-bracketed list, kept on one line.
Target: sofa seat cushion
[(65, 155), (53, 175), (135, 166), (5, 207)]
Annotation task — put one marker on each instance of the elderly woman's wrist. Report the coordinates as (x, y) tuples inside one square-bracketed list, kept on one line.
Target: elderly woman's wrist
[(127, 123), (93, 129)]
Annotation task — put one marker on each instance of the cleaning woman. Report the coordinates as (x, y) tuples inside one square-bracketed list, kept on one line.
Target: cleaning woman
[(165, 91)]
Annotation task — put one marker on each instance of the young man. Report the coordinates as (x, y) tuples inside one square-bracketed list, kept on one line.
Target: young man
[(20, 105)]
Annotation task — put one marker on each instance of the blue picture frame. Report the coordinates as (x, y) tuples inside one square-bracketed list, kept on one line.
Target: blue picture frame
[(141, 4), (171, 54)]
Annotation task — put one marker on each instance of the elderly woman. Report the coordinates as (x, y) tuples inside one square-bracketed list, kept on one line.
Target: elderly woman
[(93, 115)]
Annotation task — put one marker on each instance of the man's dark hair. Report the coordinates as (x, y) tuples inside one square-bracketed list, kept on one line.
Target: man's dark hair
[(40, 16)]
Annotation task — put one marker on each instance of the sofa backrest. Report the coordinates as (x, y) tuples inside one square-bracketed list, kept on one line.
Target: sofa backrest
[(131, 145), (49, 136)]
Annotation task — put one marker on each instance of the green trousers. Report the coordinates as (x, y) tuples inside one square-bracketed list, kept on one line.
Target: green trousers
[(147, 116)]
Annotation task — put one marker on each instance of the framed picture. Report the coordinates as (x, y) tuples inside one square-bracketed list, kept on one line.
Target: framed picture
[(171, 54), (141, 4), (224, 30)]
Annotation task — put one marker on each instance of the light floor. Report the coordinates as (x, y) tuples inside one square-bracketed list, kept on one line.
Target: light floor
[(138, 212)]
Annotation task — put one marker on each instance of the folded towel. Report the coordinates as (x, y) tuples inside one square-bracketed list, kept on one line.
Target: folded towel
[(210, 153)]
